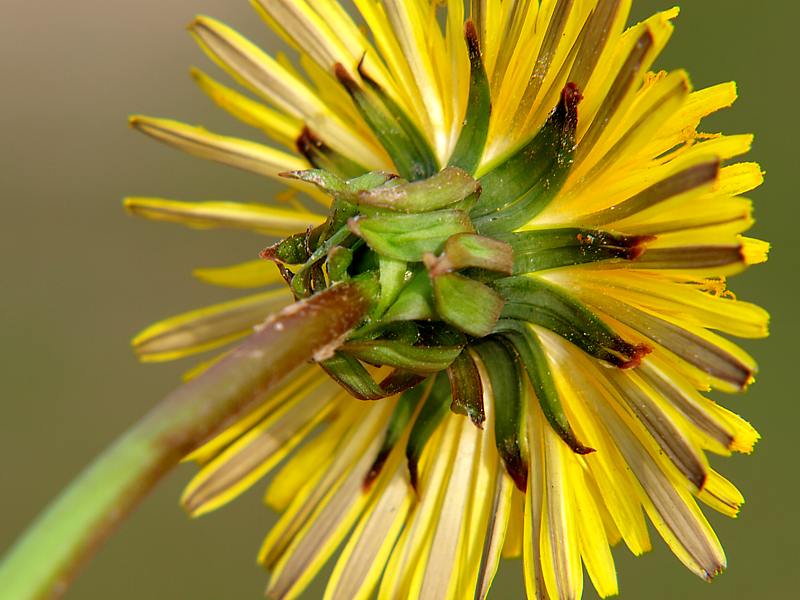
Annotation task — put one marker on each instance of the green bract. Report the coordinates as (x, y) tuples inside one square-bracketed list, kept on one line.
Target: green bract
[(454, 282)]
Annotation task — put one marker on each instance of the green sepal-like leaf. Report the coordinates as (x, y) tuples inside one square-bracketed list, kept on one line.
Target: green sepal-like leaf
[(341, 212), (519, 188), (507, 391), (403, 331), (401, 417), (472, 140), (316, 278), (364, 259), (301, 283), (440, 334), (349, 373), (399, 381), (339, 188), (393, 353), (427, 164), (353, 377), (532, 355), (408, 148), (372, 180), (466, 304), (322, 156), (406, 332), (536, 301), (368, 284), (568, 256), (291, 250), (466, 389), (429, 418), (393, 276), (344, 192), (469, 250), (410, 236), (339, 260), (415, 302), (539, 250), (509, 181), (445, 188)]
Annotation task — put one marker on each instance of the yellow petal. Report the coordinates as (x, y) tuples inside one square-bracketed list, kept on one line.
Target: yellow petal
[(559, 545), (672, 509), (489, 495), (721, 495), (246, 275), (252, 456), (364, 557), (206, 328), (406, 564), (534, 512), (687, 302), (417, 30), (500, 509), (231, 151), (644, 119), (279, 126), (257, 70), (681, 127), (302, 378), (726, 366), (755, 251), (325, 509), (512, 548), (443, 563), (311, 461), (406, 88), (615, 482), (309, 31), (745, 436), (203, 215), (594, 544), (607, 100)]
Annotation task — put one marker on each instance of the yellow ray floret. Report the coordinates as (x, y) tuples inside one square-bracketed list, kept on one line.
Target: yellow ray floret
[(206, 328), (264, 75), (204, 215), (235, 152), (311, 461), (406, 564), (618, 220), (246, 275), (323, 530), (278, 126), (254, 454)]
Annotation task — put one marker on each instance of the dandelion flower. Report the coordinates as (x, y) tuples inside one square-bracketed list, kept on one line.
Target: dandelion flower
[(545, 238), (551, 236)]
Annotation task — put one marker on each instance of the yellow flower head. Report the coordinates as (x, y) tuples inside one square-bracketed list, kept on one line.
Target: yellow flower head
[(544, 236)]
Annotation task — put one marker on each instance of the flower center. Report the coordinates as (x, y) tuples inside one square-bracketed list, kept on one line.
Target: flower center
[(446, 256), (417, 247)]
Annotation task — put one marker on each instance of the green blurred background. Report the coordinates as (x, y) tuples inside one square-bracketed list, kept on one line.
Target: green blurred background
[(79, 278)]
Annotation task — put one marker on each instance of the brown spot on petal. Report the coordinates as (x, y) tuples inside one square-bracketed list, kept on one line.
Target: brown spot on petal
[(635, 360), (413, 474), (376, 468), (473, 42), (308, 145), (517, 469)]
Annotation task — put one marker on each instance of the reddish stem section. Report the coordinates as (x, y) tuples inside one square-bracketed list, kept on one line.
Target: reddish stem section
[(47, 557)]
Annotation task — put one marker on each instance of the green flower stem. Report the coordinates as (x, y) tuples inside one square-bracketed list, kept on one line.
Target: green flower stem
[(47, 556)]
